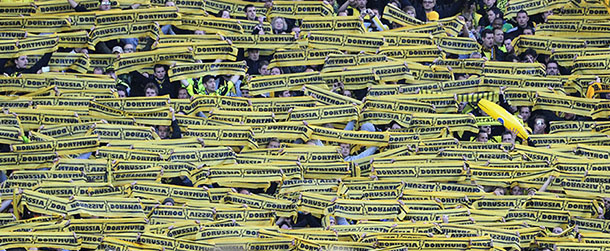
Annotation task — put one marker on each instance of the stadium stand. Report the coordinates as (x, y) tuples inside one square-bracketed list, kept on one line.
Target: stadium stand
[(305, 125)]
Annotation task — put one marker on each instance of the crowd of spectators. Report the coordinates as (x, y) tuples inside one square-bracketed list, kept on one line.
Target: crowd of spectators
[(484, 21)]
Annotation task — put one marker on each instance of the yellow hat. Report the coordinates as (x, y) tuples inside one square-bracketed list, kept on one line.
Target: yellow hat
[(432, 16)]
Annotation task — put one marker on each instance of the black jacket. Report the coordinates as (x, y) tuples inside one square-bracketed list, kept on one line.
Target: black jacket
[(139, 81), (12, 70), (444, 10)]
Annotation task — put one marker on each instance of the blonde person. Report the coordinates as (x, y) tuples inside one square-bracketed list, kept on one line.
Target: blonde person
[(279, 25)]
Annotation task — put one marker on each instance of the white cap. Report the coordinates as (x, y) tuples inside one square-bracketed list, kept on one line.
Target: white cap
[(117, 49)]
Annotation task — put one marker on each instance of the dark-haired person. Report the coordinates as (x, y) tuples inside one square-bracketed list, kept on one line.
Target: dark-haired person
[(159, 77), (489, 48), (499, 39), (164, 132), (20, 65), (492, 14), (508, 137), (250, 12), (552, 68), (539, 125), (224, 13), (529, 56), (151, 90), (499, 23), (528, 31), (522, 23), (253, 60)]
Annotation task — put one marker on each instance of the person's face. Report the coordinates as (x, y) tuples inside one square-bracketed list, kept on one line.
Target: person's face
[(522, 19), (210, 85), (199, 32), (498, 37), (183, 94), (531, 192), (499, 191), (411, 13), (469, 23), (163, 132), (278, 24), (507, 138), (525, 113), (557, 230), (345, 149), (491, 16), (528, 32), (121, 94), (21, 62), (286, 94), (169, 4), (104, 7), (98, 71), (275, 71), (263, 70), (488, 40), (159, 73), (482, 137), (347, 93), (225, 14), (485, 129), (396, 126), (516, 190), (489, 3), (251, 13), (169, 203), (539, 126), (80, 50), (151, 92), (546, 14), (552, 69), (273, 144), (245, 93), (429, 4), (361, 4), (497, 23), (508, 45), (253, 55), (128, 48)]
